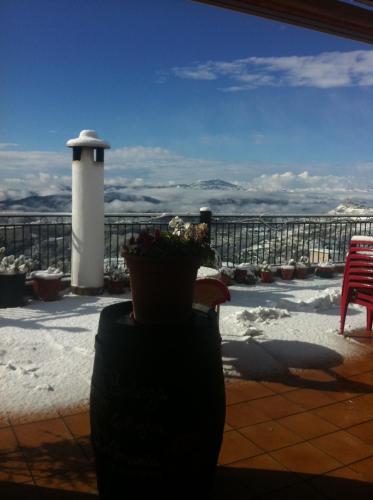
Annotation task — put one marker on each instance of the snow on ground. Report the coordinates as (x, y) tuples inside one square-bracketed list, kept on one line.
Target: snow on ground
[(269, 328), (47, 348)]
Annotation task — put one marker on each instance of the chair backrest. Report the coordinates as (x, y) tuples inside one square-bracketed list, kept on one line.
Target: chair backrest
[(358, 271), (210, 292)]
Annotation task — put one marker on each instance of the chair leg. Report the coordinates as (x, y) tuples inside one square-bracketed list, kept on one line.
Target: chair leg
[(343, 312), (369, 319)]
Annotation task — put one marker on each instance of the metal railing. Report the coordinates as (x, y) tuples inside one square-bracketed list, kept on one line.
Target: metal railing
[(236, 238)]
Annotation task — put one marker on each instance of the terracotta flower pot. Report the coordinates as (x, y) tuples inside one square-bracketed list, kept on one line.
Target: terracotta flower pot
[(240, 275), (301, 272), (266, 276), (162, 288), (325, 271), (116, 286), (48, 289), (287, 272), (47, 285)]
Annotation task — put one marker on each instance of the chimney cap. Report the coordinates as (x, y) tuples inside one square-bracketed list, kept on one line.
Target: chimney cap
[(88, 139)]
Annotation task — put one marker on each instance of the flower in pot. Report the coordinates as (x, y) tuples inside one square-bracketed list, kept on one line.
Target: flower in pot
[(116, 278), (325, 269), (163, 267), (245, 274), (287, 270), (302, 267), (12, 278), (48, 282), (266, 274)]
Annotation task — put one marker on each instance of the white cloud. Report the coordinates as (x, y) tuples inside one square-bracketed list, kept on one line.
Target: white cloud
[(325, 70), (161, 174), (21, 163), (304, 181), (7, 145)]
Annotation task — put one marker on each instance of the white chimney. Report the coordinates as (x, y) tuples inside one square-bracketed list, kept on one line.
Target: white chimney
[(88, 245)]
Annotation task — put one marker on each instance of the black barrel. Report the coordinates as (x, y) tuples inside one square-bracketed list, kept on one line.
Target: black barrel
[(12, 289), (157, 406)]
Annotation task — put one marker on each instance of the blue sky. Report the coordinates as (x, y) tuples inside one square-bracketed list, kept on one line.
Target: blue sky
[(174, 84)]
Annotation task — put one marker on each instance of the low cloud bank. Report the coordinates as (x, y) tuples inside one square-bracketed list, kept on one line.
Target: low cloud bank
[(156, 179)]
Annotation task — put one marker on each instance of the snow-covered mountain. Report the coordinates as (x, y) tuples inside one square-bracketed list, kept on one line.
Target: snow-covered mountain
[(220, 195)]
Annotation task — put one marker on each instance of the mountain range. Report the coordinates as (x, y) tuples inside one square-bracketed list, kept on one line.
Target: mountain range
[(220, 195)]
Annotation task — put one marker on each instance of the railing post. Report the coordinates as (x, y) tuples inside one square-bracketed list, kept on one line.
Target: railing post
[(205, 216)]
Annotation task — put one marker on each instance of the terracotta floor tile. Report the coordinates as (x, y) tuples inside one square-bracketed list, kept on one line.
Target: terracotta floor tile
[(270, 435), (53, 459), (246, 391), (13, 468), (305, 459), (309, 398), (83, 480), (16, 419), (312, 375), (277, 406), (79, 424), (243, 414), (365, 379), (342, 392), (342, 483), (360, 334), (236, 447), (368, 400), (364, 468), (43, 432), (343, 447), (8, 441), (73, 409), (363, 431), (4, 422), (307, 425), (354, 366), (280, 386), (227, 427), (86, 445), (262, 474), (343, 415), (295, 492)]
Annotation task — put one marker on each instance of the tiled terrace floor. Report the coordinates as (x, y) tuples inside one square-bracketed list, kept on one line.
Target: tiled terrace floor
[(309, 436)]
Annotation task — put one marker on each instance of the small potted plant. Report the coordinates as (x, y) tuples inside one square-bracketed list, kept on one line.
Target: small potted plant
[(116, 278), (48, 282), (266, 274), (244, 274), (12, 278), (227, 275), (163, 267), (302, 267), (287, 270), (325, 269)]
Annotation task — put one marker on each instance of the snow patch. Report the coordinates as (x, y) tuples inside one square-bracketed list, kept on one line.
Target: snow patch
[(322, 300), (261, 314)]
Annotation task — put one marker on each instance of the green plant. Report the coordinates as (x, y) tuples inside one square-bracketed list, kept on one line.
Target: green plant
[(265, 267), (116, 272), (180, 240), (12, 265)]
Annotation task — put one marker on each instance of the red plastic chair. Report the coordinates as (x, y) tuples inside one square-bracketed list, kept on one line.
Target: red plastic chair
[(210, 292), (357, 284)]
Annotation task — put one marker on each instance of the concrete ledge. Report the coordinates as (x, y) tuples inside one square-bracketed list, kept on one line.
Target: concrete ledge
[(82, 290)]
